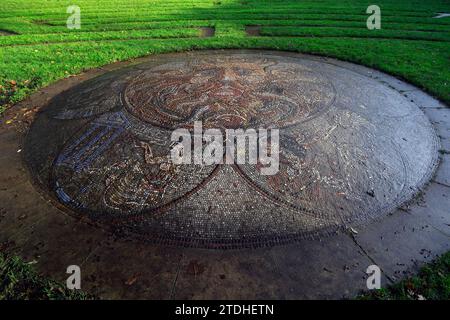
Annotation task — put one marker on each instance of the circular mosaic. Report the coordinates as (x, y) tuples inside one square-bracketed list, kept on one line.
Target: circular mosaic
[(103, 149)]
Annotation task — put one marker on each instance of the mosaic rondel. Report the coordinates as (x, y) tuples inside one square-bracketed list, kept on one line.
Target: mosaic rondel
[(344, 156)]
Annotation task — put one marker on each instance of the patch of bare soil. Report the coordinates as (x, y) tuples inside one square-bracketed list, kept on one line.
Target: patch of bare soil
[(207, 32), (253, 31)]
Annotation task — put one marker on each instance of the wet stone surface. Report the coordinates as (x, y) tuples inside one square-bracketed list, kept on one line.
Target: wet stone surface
[(351, 149)]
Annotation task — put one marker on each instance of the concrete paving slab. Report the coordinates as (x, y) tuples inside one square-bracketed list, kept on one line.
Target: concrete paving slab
[(311, 274), (230, 274), (439, 117), (433, 207), (120, 269), (443, 172), (401, 243)]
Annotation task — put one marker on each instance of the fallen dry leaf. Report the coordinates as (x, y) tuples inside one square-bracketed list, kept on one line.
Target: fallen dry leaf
[(130, 281)]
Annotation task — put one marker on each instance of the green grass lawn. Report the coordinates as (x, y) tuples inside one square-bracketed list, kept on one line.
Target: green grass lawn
[(36, 47)]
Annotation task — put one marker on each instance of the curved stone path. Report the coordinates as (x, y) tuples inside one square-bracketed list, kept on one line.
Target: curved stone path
[(327, 262)]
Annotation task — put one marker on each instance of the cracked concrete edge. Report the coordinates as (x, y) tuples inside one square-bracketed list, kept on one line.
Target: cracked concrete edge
[(174, 285), (371, 258)]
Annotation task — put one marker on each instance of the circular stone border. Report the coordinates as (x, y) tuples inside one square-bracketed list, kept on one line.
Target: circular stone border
[(259, 241)]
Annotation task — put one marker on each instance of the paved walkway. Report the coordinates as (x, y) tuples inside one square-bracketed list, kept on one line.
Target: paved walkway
[(39, 228)]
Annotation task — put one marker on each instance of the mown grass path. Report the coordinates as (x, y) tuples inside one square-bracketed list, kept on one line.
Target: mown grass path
[(36, 47)]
